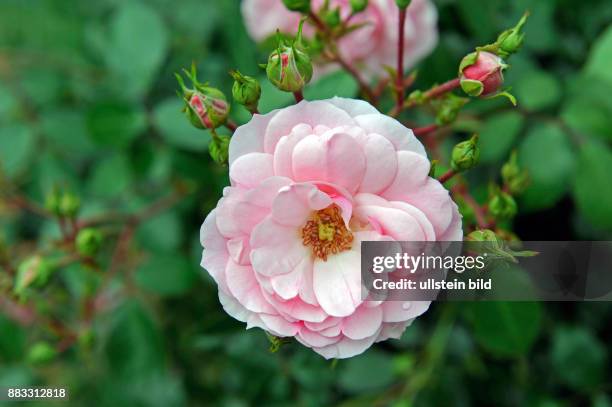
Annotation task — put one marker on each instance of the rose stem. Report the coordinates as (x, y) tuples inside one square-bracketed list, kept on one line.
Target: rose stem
[(425, 130), (399, 80), (299, 96), (447, 175)]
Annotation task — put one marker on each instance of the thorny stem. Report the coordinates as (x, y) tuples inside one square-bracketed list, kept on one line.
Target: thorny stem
[(231, 125), (479, 211), (432, 93)]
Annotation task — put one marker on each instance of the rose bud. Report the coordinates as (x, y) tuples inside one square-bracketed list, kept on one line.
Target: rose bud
[(357, 6), (206, 107), (218, 148), (511, 40), (289, 68), (246, 90), (482, 235), (465, 155), (515, 178), (502, 205), (403, 3), (481, 73), (88, 242), (303, 6)]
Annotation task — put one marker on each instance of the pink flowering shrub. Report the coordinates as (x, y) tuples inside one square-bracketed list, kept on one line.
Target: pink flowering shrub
[(368, 48), (308, 183)]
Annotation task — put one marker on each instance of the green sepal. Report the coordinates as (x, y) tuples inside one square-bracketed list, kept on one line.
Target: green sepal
[(472, 87)]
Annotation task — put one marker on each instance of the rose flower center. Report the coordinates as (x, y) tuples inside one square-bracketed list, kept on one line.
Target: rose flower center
[(326, 233)]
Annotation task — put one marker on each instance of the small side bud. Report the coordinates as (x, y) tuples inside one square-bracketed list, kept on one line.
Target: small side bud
[(403, 3), (88, 242), (218, 148), (52, 201), (41, 352), (511, 40), (206, 107), (481, 74), (357, 6), (33, 271), (465, 155), (482, 235), (246, 90), (515, 178), (502, 205), (303, 6), (69, 205), (289, 67), (332, 17), (447, 108)]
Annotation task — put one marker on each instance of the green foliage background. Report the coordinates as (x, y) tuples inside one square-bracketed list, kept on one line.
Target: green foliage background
[(87, 101)]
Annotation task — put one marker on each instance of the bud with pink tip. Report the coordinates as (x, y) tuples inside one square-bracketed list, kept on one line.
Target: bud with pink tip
[(206, 107), (481, 73)]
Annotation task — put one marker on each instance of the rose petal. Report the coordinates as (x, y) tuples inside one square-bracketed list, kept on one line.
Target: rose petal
[(337, 283)]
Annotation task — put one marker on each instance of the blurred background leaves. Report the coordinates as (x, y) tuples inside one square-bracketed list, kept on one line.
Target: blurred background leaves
[(87, 102)]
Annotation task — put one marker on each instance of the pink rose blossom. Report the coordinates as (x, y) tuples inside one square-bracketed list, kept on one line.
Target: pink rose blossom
[(368, 48), (308, 183)]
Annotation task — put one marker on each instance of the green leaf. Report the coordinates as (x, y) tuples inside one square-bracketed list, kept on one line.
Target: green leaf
[(338, 83), (588, 109), (12, 340), (111, 177), (137, 46), (498, 135), (548, 156), (167, 275), (600, 58), (540, 30), (134, 347), (506, 329), (175, 128), (66, 130), (161, 233), (578, 358), (592, 191), (115, 124), (538, 90), (17, 144), (356, 373)]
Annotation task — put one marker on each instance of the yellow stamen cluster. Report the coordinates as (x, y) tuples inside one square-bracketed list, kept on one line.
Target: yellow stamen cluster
[(326, 233)]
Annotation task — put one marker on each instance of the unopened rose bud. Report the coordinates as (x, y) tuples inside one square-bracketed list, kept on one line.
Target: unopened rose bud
[(219, 148), (69, 205), (515, 178), (481, 73), (289, 68), (357, 6), (332, 17), (41, 352), (482, 235), (511, 40), (52, 201), (206, 107), (502, 206), (447, 108), (403, 3), (303, 6), (465, 155), (88, 242), (246, 90), (33, 271)]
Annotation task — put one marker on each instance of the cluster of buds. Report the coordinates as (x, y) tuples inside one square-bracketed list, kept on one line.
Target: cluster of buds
[(206, 107), (502, 205), (516, 179), (466, 154), (481, 72), (289, 67), (62, 203)]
